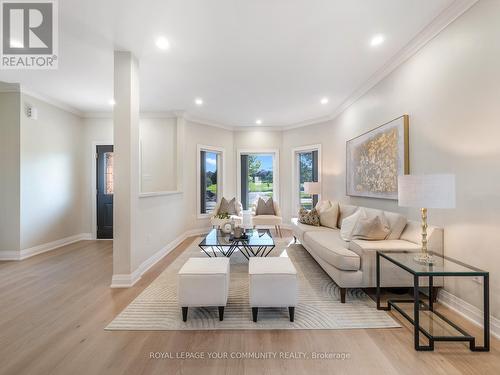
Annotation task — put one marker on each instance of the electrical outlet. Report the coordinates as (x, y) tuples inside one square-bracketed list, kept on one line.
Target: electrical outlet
[(478, 279)]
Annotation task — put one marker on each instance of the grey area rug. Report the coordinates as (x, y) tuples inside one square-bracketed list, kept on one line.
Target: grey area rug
[(319, 304)]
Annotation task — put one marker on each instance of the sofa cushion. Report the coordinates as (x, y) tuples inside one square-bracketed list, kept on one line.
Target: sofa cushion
[(323, 205), (361, 246), (329, 216), (397, 222), (300, 229), (345, 210), (371, 228), (329, 247), (348, 225)]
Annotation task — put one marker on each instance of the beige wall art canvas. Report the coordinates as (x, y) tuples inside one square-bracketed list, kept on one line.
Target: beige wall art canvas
[(376, 158)]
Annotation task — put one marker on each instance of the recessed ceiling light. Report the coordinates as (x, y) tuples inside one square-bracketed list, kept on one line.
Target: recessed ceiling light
[(324, 101), (162, 43), (112, 102), (258, 121), (198, 101), (377, 40)]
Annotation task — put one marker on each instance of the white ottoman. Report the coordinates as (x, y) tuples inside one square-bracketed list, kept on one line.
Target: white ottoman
[(203, 282), (273, 283)]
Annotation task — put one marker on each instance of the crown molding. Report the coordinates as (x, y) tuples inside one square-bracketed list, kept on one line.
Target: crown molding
[(186, 116), (428, 33), (310, 122), (255, 128), (51, 101), (91, 115), (10, 87), (438, 24), (147, 115), (166, 114)]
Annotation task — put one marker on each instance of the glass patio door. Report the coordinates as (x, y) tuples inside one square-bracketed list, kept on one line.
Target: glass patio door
[(257, 178), (307, 164)]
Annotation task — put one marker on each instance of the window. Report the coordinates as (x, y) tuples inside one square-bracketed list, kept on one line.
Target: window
[(306, 167), (258, 177), (210, 178), (108, 172)]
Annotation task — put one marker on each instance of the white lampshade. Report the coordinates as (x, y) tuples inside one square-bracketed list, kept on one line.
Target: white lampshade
[(312, 188), (427, 191)]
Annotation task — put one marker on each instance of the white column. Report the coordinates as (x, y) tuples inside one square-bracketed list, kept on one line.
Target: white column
[(126, 166)]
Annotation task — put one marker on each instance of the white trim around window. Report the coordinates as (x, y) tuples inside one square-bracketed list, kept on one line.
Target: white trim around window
[(221, 176), (295, 173), (276, 169)]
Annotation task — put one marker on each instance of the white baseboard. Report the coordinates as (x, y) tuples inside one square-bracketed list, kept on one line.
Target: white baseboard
[(43, 248), (468, 311), (10, 255), (128, 280)]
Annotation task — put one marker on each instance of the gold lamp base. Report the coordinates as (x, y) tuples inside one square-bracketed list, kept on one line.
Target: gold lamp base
[(424, 258)]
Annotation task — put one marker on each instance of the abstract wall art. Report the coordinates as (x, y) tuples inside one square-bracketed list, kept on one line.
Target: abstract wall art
[(376, 158)]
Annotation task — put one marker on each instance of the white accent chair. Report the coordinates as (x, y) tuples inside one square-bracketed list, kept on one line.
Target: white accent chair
[(275, 220), (203, 282), (273, 283), (218, 223)]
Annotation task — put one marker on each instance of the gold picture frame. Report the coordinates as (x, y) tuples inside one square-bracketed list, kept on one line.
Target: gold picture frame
[(376, 158)]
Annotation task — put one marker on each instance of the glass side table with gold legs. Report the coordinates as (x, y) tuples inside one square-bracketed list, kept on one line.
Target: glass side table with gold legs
[(432, 324)]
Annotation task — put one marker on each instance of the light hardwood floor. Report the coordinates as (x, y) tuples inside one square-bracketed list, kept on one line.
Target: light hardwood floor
[(54, 307)]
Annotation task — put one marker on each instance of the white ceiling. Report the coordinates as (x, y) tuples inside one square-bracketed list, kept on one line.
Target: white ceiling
[(272, 60)]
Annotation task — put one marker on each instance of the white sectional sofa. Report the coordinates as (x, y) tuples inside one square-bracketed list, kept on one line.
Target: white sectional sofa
[(353, 264)]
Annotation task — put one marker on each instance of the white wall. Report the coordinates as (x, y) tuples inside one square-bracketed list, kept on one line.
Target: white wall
[(51, 174), (10, 110), (197, 134), (258, 139), (451, 91), (261, 139), (158, 138)]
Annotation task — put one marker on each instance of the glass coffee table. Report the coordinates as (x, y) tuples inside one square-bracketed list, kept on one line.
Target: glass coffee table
[(257, 243), (432, 324)]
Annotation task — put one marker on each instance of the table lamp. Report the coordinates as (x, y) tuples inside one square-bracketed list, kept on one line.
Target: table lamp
[(313, 188), (426, 191)]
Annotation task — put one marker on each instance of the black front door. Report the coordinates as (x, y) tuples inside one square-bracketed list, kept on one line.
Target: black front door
[(104, 192)]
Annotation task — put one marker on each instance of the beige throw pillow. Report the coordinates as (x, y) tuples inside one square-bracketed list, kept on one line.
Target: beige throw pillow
[(323, 206), (265, 207), (397, 223), (348, 225), (328, 217), (370, 228), (345, 210), (227, 207)]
